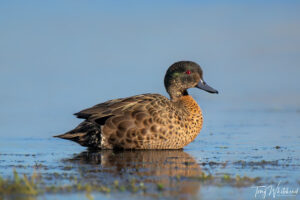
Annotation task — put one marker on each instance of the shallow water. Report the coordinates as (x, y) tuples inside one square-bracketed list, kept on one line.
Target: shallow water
[(242, 143), (59, 57)]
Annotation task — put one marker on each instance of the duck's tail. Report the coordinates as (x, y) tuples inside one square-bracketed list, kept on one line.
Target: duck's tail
[(87, 134)]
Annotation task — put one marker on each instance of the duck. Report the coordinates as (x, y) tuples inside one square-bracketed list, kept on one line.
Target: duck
[(146, 121)]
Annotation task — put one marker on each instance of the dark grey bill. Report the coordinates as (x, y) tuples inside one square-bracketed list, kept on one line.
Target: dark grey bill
[(203, 86)]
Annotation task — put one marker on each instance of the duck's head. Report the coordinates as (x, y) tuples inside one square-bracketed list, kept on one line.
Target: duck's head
[(184, 75)]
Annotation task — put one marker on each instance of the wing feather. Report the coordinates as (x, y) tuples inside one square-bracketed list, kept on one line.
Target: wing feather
[(113, 107)]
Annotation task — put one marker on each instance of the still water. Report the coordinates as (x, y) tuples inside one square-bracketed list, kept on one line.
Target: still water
[(59, 57), (252, 144)]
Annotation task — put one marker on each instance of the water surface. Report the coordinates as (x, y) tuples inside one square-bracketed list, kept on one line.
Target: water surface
[(57, 58)]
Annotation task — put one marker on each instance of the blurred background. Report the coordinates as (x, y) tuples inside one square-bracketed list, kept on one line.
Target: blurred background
[(58, 57)]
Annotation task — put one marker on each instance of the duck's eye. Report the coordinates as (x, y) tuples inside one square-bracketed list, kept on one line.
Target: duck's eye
[(188, 72)]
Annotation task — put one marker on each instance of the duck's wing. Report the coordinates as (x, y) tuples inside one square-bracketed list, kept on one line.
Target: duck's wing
[(114, 117), (117, 106)]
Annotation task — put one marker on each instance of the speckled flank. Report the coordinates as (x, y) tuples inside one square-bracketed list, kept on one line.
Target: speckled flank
[(147, 121), (158, 124)]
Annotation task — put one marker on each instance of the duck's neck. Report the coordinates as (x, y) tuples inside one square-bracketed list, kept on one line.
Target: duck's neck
[(184, 100), (189, 104), (193, 116), (177, 94)]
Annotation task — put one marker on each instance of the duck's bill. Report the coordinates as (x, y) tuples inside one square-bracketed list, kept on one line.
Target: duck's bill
[(203, 86)]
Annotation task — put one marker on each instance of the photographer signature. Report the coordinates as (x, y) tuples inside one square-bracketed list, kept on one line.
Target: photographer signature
[(263, 191)]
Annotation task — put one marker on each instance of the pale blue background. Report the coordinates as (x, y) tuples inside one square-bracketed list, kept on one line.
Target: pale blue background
[(58, 57)]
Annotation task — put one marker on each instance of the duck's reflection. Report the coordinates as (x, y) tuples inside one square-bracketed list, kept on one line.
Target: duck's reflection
[(169, 168)]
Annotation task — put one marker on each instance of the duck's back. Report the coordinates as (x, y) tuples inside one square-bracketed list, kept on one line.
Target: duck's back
[(148, 121)]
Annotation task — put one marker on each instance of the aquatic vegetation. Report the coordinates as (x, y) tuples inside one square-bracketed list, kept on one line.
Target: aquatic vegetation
[(261, 163), (67, 168), (203, 177), (138, 173), (222, 147), (36, 184), (227, 179), (19, 185), (160, 186), (134, 186), (33, 186)]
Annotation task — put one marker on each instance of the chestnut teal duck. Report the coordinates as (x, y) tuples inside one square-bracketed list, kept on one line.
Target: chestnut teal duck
[(146, 121)]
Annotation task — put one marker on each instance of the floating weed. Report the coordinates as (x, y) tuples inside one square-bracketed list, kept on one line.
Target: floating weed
[(239, 181), (204, 177), (245, 181), (51, 188), (122, 188), (104, 189), (116, 184), (88, 194), (78, 186), (160, 186), (142, 186), (118, 187), (133, 188), (67, 168), (31, 186), (227, 177), (19, 185)]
